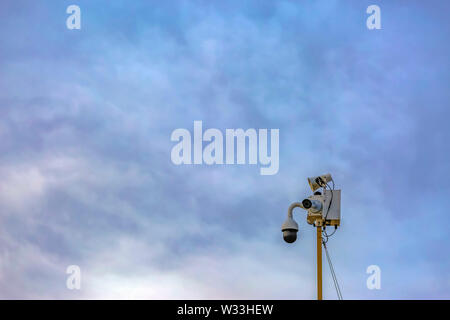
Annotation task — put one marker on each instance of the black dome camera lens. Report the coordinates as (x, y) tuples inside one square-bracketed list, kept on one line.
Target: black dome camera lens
[(307, 203), (290, 235)]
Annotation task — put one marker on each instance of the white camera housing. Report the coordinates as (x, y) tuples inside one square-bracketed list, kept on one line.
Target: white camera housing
[(332, 215)]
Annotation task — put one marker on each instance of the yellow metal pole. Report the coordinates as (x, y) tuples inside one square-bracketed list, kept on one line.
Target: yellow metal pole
[(319, 263)]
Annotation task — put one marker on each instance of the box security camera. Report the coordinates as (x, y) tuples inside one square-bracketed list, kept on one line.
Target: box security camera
[(319, 181)]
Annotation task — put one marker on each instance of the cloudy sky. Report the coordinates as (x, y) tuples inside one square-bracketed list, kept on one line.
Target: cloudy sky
[(86, 176)]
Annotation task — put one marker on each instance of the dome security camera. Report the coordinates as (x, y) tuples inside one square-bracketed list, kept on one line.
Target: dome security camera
[(290, 235), (289, 229)]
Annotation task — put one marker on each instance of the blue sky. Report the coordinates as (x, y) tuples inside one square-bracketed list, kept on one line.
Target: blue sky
[(86, 176)]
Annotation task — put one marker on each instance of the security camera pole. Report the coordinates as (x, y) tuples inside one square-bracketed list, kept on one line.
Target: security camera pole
[(319, 263), (323, 209)]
